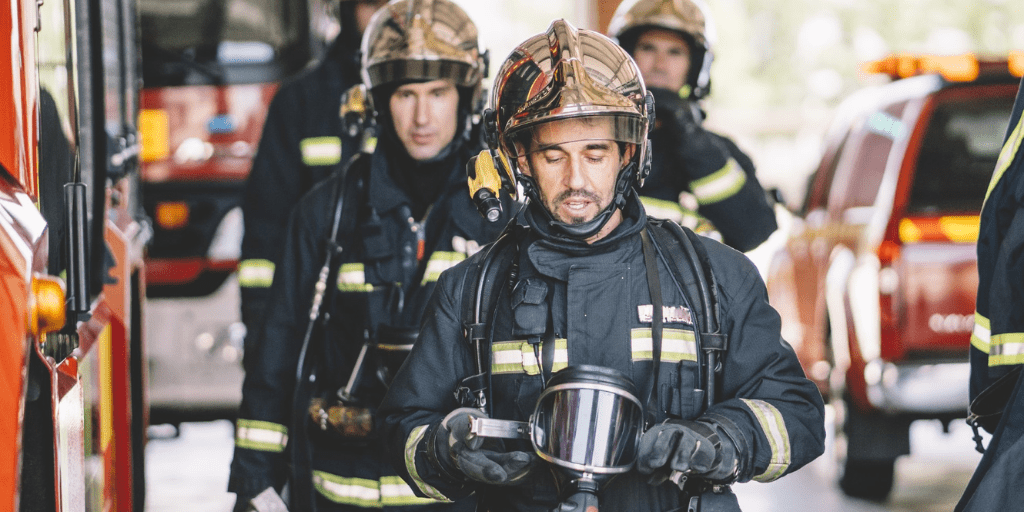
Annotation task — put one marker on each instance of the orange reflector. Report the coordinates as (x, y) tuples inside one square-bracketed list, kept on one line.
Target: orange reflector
[(955, 68), (957, 229), (888, 252), (1016, 63), (155, 135), (172, 215), (47, 313)]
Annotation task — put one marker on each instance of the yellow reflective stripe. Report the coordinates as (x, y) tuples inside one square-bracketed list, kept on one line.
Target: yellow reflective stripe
[(982, 334), (394, 492), (774, 427), (518, 357), (260, 435), (352, 278), (662, 209), (1006, 156), (320, 150), (720, 184), (255, 273), (439, 262), (359, 492), (676, 345), (1006, 348), (415, 437)]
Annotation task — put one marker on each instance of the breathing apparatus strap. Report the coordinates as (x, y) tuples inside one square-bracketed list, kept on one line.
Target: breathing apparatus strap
[(654, 285), (480, 288), (709, 337)]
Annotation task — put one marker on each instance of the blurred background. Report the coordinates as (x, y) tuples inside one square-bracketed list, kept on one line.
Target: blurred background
[(781, 69)]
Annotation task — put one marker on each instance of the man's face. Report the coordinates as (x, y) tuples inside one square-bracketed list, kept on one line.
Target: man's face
[(663, 58), (575, 179), (425, 115)]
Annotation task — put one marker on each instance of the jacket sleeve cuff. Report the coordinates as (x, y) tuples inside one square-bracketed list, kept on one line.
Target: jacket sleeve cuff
[(429, 476)]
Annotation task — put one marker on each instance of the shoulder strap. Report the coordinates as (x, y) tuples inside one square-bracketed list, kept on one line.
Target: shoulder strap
[(676, 239), (481, 285)]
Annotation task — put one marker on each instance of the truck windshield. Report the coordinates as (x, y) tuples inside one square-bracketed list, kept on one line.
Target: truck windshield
[(958, 155), (221, 42)]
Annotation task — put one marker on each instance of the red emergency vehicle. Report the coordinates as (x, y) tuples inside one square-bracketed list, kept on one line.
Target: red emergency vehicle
[(72, 380), (210, 69)]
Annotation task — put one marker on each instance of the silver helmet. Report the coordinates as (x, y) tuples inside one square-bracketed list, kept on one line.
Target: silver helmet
[(567, 73), (421, 40), (688, 18)]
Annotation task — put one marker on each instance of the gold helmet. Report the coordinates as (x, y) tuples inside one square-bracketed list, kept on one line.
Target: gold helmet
[(689, 18), (422, 40), (568, 73)]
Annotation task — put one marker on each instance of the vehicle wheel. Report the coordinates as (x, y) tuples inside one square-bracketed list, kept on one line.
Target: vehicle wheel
[(868, 479)]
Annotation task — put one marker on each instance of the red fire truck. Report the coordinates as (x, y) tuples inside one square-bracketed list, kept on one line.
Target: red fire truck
[(72, 396), (210, 69)]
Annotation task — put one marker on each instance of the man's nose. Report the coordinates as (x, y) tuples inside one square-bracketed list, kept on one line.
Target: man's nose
[(575, 179), (422, 111)]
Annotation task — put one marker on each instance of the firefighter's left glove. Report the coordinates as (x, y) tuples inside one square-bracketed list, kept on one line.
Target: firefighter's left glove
[(479, 459), (680, 448)]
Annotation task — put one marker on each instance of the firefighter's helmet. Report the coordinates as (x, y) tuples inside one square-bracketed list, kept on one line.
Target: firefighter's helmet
[(567, 73), (689, 18), (410, 40)]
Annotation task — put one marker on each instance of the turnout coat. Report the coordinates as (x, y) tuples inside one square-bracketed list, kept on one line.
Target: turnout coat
[(595, 294)]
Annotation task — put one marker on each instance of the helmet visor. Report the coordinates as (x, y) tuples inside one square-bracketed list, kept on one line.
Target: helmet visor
[(581, 126)]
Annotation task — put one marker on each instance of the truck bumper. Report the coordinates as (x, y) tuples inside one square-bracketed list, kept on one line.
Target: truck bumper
[(925, 389)]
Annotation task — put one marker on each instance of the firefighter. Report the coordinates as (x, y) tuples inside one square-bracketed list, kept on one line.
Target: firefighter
[(576, 292), (387, 226), (698, 178), (997, 343), (302, 142)]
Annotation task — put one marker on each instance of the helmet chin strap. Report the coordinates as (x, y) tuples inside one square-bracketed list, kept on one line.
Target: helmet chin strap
[(585, 230)]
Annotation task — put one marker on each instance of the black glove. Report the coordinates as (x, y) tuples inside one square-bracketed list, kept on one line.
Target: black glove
[(699, 151), (480, 459), (683, 448)]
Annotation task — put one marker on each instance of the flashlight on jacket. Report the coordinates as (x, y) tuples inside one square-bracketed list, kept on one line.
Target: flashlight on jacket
[(484, 180)]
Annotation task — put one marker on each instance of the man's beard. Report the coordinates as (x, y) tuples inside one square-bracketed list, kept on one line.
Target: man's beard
[(553, 206)]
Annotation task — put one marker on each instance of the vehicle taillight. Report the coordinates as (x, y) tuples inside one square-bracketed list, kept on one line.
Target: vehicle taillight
[(47, 312), (172, 215), (155, 135), (888, 288)]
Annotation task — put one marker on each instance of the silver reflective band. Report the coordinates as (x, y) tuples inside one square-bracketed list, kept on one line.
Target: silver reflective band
[(255, 273), (774, 428), (261, 435), (719, 185), (670, 314), (439, 262), (320, 150), (352, 278)]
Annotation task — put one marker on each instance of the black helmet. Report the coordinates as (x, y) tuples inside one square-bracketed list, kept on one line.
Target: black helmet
[(567, 73), (688, 18)]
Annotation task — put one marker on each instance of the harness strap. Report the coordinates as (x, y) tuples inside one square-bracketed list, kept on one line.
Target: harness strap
[(654, 285)]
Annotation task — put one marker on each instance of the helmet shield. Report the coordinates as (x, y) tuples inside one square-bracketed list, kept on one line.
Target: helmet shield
[(421, 40), (619, 128)]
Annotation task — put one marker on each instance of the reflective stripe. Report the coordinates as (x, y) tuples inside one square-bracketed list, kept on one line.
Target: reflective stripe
[(349, 491), (676, 345), (518, 357), (1006, 348), (261, 435), (439, 262), (389, 491), (981, 336), (320, 150), (415, 437), (774, 427), (352, 278), (720, 184), (394, 492), (675, 212), (255, 273), (1006, 156)]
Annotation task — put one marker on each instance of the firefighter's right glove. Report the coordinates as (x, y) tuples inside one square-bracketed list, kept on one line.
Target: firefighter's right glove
[(680, 448), (697, 151), (479, 459)]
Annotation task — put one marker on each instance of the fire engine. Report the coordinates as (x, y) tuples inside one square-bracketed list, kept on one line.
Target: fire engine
[(73, 407), (209, 71)]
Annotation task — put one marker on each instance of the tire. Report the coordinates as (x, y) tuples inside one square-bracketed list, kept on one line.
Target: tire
[(868, 479)]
